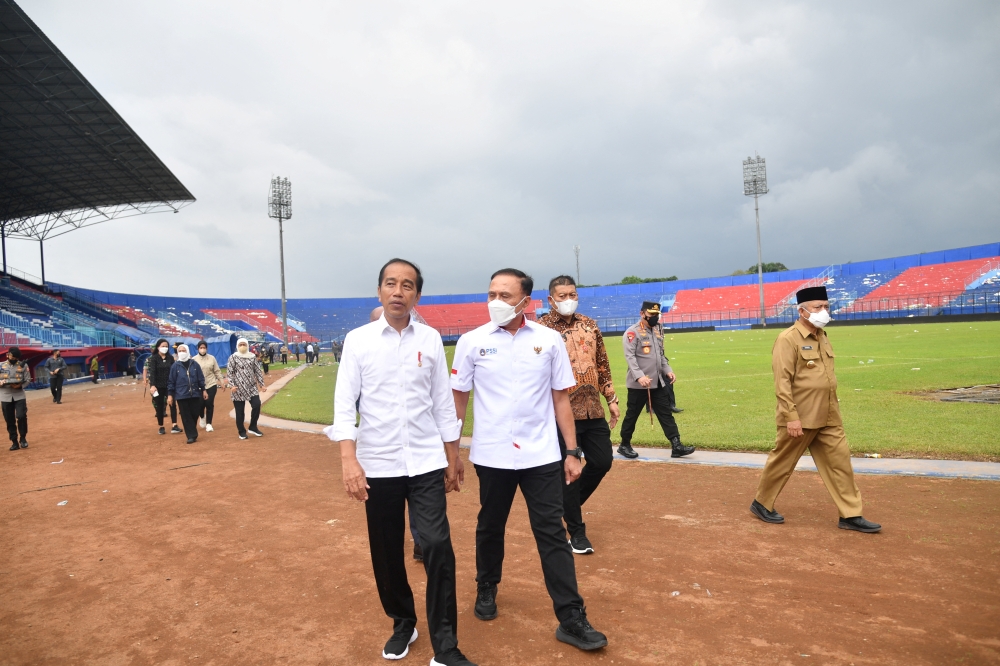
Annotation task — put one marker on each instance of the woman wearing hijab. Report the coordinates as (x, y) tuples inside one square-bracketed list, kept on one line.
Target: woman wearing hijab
[(213, 380), (157, 377), (245, 378), (186, 387)]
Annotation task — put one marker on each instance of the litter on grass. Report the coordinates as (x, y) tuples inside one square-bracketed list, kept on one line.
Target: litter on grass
[(63, 503), (56, 462)]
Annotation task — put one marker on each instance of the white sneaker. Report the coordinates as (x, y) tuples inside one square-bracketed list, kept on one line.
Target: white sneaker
[(201, 422), (209, 428)]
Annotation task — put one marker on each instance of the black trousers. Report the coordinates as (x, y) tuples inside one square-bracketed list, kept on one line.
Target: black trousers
[(670, 393), (15, 413), (189, 409), (637, 399), (385, 509), (160, 405), (309, 357), (265, 365), (284, 358), (593, 436), (542, 490), (55, 386), (208, 406), (93, 376), (240, 406)]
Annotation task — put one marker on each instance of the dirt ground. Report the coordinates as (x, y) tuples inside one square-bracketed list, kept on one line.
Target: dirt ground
[(248, 552)]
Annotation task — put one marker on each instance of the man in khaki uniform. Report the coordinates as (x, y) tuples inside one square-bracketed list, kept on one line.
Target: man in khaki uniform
[(808, 416)]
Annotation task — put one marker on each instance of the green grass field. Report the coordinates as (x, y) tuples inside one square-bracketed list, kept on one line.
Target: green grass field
[(726, 389)]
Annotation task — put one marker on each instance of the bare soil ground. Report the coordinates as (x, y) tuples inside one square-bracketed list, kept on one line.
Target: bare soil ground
[(235, 561)]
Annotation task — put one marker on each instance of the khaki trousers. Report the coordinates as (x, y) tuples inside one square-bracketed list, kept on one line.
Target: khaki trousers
[(832, 456)]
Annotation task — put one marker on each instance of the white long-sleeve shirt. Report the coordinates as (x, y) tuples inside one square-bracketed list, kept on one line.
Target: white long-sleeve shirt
[(400, 382)]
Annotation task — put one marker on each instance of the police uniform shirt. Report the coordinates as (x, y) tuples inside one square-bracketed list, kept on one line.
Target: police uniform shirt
[(644, 356), (513, 377), (805, 383), (13, 373)]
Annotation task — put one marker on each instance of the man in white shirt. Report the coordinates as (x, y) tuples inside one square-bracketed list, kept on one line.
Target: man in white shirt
[(521, 373), (394, 372)]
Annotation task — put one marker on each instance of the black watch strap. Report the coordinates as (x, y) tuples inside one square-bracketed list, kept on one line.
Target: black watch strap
[(576, 453)]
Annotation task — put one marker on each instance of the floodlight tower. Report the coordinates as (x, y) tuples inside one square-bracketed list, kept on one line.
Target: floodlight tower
[(576, 251), (279, 207), (755, 185)]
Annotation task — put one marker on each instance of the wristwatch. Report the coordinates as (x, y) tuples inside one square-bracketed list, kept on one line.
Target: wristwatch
[(576, 453)]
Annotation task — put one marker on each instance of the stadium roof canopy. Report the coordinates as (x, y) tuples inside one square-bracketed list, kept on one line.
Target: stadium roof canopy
[(67, 159)]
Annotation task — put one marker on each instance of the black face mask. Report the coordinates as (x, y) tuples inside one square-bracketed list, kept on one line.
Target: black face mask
[(653, 320)]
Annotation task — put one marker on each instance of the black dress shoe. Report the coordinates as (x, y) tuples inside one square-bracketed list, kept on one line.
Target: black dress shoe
[(577, 632), (761, 512), (678, 450), (486, 601), (418, 552), (627, 451), (24, 443), (163, 430), (676, 410), (398, 645), (14, 447), (859, 524), (191, 440)]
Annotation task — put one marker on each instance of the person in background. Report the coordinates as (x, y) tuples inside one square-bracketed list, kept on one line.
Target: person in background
[(316, 351), (270, 353), (213, 380), (295, 350), (157, 378), (131, 365), (649, 375), (309, 352), (262, 358), (284, 354), (14, 374), (56, 365), (246, 382), (95, 368), (592, 370), (186, 387)]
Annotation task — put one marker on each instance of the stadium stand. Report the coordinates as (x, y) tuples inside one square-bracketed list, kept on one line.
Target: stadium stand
[(928, 286), (453, 319), (262, 320)]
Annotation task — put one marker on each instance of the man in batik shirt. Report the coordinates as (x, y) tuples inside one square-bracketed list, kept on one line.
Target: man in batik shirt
[(593, 379)]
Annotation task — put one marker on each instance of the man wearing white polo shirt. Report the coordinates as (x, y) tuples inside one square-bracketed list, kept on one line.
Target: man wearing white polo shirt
[(394, 372), (521, 372)]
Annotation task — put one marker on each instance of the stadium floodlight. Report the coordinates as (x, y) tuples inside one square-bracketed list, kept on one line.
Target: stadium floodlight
[(576, 251), (755, 185), (279, 207)]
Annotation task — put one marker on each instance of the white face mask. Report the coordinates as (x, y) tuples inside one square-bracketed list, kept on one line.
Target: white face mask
[(183, 356), (164, 350), (567, 307), (202, 352), (502, 313), (819, 319)]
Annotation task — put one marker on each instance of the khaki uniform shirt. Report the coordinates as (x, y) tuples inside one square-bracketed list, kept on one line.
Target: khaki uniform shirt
[(589, 359), (644, 356), (804, 379), (13, 377)]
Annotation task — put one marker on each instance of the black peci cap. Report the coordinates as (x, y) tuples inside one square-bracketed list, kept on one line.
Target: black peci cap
[(15, 352), (811, 294), (651, 306)]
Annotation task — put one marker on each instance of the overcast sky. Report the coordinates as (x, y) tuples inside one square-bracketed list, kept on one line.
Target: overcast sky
[(472, 136)]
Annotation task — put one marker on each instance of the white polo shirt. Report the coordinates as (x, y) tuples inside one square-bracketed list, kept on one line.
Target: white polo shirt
[(513, 377), (406, 405)]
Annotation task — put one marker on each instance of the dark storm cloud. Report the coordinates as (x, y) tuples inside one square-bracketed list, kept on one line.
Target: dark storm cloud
[(468, 138)]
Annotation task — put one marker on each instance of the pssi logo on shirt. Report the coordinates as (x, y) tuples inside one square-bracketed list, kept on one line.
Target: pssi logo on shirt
[(484, 352)]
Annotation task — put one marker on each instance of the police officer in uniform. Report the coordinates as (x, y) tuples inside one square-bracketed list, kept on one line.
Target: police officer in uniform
[(808, 416), (14, 374), (648, 381)]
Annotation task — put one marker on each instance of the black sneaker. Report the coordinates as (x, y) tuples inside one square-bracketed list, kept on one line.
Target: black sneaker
[(418, 552), (243, 435), (577, 632), (627, 451), (175, 431), (761, 512), (486, 601), (15, 446), (398, 645), (258, 433), (857, 523), (452, 657), (678, 450), (163, 431), (191, 440), (581, 544), (24, 443)]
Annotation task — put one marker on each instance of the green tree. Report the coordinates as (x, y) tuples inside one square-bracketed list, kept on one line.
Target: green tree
[(768, 266), (634, 279)]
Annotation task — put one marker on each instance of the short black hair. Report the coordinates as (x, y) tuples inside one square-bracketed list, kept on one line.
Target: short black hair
[(200, 343), (561, 281), (397, 260), (527, 284)]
